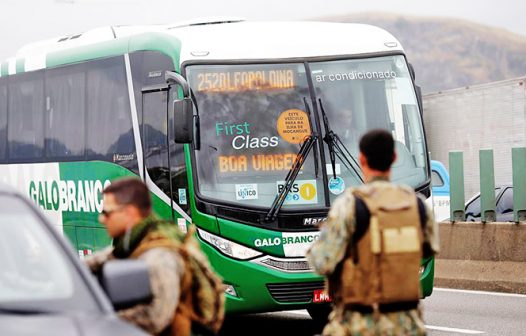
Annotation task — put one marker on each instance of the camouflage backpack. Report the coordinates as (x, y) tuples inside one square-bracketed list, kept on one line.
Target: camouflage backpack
[(201, 305)]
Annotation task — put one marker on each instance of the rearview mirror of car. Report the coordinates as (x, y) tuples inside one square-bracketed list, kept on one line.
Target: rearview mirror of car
[(126, 282)]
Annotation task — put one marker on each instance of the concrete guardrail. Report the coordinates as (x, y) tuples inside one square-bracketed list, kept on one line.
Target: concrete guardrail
[(479, 256)]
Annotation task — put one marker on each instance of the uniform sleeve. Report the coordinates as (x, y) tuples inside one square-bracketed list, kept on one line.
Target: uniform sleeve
[(431, 238), (328, 251), (97, 259), (166, 269)]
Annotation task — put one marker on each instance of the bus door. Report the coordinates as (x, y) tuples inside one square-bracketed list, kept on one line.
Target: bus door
[(163, 159)]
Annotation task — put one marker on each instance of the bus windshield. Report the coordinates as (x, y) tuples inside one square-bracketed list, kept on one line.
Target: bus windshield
[(253, 120), (255, 117), (363, 94)]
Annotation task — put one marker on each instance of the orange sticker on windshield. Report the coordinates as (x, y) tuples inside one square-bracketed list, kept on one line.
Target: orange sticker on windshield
[(293, 126)]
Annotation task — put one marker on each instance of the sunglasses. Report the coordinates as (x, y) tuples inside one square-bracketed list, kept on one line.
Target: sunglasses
[(107, 213)]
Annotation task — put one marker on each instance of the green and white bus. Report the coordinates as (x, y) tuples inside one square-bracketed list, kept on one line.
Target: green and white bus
[(247, 129)]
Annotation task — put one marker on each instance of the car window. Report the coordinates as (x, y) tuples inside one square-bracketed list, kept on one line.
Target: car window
[(436, 180), (505, 203), (473, 211), (36, 274)]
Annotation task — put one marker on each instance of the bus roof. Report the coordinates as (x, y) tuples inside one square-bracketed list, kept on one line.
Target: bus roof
[(220, 40), (282, 40)]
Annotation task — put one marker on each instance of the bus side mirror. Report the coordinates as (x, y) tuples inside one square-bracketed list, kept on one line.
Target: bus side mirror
[(183, 113), (183, 110)]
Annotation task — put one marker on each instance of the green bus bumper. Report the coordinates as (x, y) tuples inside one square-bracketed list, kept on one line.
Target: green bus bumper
[(262, 289), (251, 282)]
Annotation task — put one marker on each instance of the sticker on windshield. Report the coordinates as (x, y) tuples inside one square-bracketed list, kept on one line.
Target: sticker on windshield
[(248, 191), (336, 185), (182, 196), (337, 168), (301, 192), (293, 126)]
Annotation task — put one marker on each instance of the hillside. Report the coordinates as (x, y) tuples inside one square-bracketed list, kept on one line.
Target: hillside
[(450, 53)]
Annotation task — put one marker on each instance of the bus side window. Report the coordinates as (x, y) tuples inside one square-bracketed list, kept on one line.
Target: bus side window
[(154, 138), (178, 169), (3, 118), (148, 68), (26, 117), (65, 113), (156, 146), (109, 126)]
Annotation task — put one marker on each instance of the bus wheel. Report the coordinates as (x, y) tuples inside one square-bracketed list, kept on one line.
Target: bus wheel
[(320, 314)]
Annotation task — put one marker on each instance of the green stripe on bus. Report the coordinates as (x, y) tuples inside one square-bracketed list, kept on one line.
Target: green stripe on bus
[(164, 43)]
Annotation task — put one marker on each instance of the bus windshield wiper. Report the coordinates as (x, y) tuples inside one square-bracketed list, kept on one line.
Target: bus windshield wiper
[(316, 165), (305, 148), (338, 149)]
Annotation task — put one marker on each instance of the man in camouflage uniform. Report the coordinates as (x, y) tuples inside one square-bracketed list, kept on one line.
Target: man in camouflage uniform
[(128, 218), (367, 301)]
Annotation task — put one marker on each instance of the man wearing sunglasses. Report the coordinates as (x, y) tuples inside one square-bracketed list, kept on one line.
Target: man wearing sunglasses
[(129, 220)]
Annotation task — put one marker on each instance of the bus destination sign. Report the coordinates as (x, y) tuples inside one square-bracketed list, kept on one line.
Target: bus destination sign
[(236, 81)]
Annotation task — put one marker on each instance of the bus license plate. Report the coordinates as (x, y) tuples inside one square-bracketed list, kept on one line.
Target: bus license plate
[(320, 296)]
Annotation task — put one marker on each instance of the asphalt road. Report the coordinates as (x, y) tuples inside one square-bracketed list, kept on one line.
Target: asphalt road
[(446, 312), (475, 313)]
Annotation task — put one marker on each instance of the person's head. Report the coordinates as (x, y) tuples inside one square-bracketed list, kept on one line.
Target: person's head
[(126, 203), (377, 153)]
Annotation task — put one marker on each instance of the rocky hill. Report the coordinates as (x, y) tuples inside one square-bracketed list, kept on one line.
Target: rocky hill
[(449, 53)]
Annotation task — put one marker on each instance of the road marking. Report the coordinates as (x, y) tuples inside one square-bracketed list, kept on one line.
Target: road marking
[(455, 330), (304, 312), (479, 292)]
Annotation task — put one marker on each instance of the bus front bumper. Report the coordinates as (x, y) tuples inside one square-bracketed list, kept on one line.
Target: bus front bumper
[(258, 286)]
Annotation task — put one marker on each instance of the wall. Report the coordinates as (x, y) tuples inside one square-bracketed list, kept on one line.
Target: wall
[(485, 116)]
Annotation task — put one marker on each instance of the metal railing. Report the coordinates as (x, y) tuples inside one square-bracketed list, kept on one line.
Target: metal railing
[(487, 185)]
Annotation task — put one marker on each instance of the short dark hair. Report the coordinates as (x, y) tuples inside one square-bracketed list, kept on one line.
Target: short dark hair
[(378, 147), (131, 191)]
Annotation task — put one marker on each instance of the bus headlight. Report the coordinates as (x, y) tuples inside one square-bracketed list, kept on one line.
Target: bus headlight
[(229, 289), (228, 247)]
